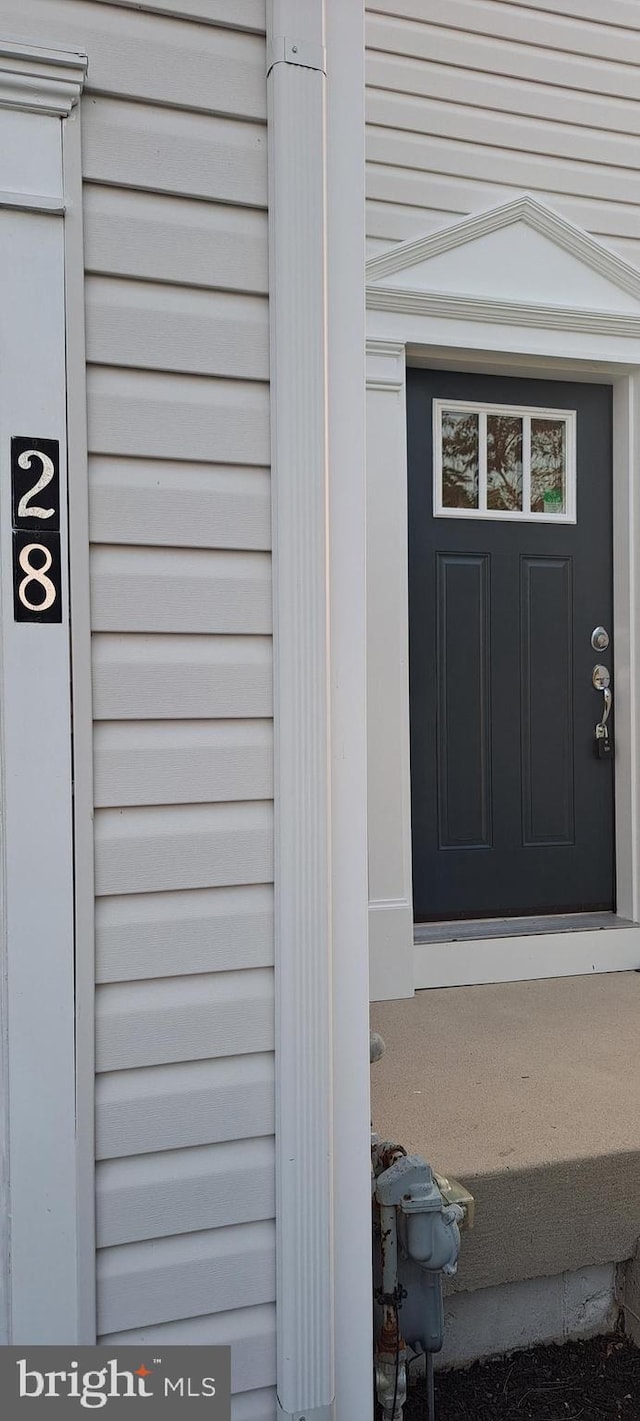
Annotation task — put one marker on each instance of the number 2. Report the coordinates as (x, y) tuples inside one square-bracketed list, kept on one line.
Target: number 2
[(25, 509), (36, 574)]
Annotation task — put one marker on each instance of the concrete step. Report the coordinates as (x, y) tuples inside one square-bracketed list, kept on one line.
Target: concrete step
[(528, 1092), (534, 1311)]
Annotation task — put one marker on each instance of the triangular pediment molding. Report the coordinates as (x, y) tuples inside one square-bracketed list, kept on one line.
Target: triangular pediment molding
[(525, 210), (520, 264)]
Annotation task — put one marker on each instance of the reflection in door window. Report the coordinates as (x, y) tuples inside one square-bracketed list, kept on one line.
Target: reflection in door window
[(493, 461), (547, 466), (504, 462), (459, 460)]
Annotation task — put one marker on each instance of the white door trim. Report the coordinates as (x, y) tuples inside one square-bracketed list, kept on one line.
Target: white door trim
[(316, 242), (44, 1262), (418, 327)]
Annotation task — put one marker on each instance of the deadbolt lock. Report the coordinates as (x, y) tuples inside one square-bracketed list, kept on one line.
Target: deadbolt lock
[(599, 639)]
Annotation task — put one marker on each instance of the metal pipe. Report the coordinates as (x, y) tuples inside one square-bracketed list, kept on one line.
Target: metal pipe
[(389, 1249), (431, 1396), (391, 1352)]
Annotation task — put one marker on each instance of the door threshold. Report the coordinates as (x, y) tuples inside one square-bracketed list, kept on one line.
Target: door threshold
[(458, 954), (465, 929)]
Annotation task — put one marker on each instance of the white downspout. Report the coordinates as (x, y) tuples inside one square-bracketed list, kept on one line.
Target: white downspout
[(299, 471), (316, 242)]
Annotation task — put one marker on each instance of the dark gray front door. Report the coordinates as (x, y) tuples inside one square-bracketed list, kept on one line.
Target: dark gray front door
[(512, 813)]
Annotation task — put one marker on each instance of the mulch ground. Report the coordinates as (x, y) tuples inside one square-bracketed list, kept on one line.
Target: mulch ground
[(593, 1381)]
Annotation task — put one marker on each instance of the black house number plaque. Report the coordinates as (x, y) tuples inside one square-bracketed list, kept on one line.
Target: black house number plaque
[(35, 513)]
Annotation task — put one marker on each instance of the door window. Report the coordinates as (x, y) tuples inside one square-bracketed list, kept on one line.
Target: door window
[(504, 462)]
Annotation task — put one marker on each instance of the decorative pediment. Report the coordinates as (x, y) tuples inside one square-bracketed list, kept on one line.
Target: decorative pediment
[(521, 259)]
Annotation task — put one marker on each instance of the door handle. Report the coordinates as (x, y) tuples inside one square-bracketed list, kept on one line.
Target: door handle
[(600, 678)]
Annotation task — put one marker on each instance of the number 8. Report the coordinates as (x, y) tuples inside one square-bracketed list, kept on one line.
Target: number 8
[(36, 574)]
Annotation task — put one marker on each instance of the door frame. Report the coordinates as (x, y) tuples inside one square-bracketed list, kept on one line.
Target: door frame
[(411, 329)]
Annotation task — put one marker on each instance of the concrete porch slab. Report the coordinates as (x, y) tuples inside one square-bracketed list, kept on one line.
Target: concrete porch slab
[(530, 1093)]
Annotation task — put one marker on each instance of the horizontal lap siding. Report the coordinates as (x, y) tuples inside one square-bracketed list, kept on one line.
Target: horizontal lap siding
[(175, 186), (161, 503), (238, 14), (169, 1107), (176, 329), (208, 1186), (183, 1018), (250, 1332), (198, 761), (177, 240), (472, 101), (174, 590), (166, 151), (139, 413), (180, 676), (253, 1406), (141, 1284), (151, 58)]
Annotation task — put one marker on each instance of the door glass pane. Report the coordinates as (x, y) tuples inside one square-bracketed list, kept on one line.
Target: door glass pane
[(548, 466), (504, 462), (459, 459)]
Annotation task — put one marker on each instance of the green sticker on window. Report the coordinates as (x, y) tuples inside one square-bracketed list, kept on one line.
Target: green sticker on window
[(553, 500)]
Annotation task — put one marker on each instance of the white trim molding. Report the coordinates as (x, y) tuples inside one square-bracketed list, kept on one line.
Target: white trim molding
[(415, 319), (82, 718), (389, 791), (316, 242), (46, 81), (519, 959), (48, 1269), (525, 209), (506, 313)]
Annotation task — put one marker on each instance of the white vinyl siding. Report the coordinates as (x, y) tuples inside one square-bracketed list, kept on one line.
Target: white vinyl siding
[(175, 186), (472, 101)]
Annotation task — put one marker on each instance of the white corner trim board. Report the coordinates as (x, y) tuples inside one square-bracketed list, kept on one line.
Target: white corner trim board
[(45, 1297), (413, 318), (317, 317), (82, 717), (347, 597)]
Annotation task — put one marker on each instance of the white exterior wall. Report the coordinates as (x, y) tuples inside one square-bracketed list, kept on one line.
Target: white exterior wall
[(174, 163), (472, 101)]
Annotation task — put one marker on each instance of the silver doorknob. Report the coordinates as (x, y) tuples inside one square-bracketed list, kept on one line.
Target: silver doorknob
[(601, 677), (599, 638)]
